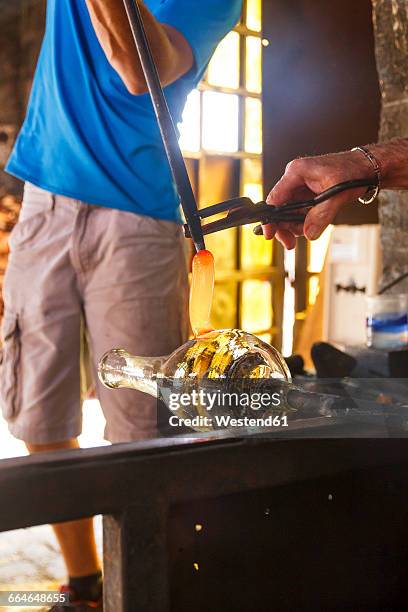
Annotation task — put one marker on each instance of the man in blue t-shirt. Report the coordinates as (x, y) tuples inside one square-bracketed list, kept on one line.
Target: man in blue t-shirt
[(98, 246)]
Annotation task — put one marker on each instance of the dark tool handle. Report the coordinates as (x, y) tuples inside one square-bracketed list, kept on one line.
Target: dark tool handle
[(165, 121), (277, 213), (227, 206), (331, 192), (258, 231)]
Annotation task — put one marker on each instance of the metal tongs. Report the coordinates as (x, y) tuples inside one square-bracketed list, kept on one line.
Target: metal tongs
[(243, 211)]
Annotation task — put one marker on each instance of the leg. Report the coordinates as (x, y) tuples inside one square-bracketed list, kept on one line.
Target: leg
[(136, 297), (39, 375), (76, 538)]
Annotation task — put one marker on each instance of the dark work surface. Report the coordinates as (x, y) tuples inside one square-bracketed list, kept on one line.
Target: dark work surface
[(331, 543), (105, 480), (272, 540)]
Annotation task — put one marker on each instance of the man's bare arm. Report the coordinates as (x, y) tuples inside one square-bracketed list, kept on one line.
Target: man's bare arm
[(393, 159), (171, 50), (308, 176)]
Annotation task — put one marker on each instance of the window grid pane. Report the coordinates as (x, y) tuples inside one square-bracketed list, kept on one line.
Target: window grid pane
[(253, 125), (314, 289), (255, 252), (224, 67), (317, 251), (224, 308), (220, 122), (226, 123), (256, 305), (254, 15), (190, 127), (253, 64)]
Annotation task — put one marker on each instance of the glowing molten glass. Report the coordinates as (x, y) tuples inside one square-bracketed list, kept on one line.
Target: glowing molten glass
[(201, 293)]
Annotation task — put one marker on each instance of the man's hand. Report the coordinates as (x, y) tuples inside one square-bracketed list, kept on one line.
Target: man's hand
[(171, 51), (308, 176)]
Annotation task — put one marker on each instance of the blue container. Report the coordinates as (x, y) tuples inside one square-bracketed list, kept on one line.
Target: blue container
[(387, 321)]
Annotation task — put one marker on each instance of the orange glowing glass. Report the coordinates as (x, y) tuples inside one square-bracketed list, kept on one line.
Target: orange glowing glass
[(201, 293)]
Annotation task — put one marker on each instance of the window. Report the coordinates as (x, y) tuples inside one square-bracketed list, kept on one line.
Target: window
[(317, 250), (221, 137)]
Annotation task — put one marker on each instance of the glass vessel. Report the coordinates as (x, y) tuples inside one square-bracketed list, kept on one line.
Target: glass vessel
[(227, 363), (387, 321)]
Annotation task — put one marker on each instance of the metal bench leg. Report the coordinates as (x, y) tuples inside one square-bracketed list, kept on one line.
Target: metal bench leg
[(135, 559)]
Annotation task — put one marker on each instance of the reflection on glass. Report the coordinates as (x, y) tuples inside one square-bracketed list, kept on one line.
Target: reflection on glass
[(318, 249), (254, 15), (253, 125), (253, 68), (223, 70), (256, 305), (190, 126), (220, 122)]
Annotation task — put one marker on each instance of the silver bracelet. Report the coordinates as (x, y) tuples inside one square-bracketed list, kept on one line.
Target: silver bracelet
[(377, 172)]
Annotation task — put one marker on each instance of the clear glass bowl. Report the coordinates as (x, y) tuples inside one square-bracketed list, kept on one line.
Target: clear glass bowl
[(224, 364)]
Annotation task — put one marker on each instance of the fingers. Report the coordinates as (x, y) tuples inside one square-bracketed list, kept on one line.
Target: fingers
[(286, 238), (320, 217), (297, 229), (288, 186), (304, 178), (269, 231)]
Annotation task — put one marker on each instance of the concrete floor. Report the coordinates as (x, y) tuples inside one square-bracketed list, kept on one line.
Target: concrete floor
[(29, 558)]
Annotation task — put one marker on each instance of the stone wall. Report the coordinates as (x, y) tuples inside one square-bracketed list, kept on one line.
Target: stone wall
[(10, 106), (21, 33), (391, 32), (20, 41)]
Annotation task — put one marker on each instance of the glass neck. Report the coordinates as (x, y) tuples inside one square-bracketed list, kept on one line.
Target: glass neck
[(118, 369)]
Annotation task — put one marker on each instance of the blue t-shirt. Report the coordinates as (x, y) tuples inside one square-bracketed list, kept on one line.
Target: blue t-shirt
[(85, 136)]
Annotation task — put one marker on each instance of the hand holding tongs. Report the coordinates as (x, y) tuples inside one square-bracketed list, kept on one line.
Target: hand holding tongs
[(242, 211)]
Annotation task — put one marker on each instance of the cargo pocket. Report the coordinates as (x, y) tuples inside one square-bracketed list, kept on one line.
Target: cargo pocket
[(9, 364), (27, 231)]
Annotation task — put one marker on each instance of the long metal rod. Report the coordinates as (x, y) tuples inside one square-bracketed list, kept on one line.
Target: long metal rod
[(166, 125)]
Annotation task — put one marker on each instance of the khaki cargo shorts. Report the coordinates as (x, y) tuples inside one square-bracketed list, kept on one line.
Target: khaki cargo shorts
[(72, 265)]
